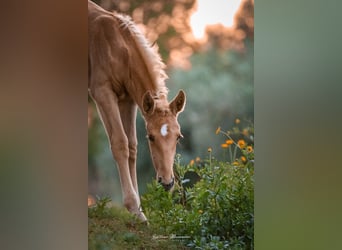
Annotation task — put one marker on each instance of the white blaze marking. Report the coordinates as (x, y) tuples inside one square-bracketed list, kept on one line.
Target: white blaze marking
[(163, 130)]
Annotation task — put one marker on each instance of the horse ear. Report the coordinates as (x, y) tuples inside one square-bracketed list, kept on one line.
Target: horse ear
[(178, 103), (148, 103)]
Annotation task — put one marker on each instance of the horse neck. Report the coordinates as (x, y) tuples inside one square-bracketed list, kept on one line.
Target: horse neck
[(139, 86), (145, 67)]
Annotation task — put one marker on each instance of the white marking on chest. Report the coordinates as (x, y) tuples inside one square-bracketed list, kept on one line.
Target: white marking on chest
[(163, 130)]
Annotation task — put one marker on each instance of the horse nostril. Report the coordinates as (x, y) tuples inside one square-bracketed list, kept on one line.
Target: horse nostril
[(159, 180), (172, 182), (167, 187)]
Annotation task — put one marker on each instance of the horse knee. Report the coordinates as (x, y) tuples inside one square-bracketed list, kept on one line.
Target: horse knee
[(119, 147), (133, 150)]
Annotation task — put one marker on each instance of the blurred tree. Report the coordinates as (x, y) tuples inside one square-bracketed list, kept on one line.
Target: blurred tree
[(163, 22), (221, 37), (245, 19)]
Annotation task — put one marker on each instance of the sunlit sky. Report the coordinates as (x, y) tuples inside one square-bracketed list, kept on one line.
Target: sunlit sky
[(213, 12)]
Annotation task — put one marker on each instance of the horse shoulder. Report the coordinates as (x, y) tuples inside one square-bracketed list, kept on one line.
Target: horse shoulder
[(108, 52)]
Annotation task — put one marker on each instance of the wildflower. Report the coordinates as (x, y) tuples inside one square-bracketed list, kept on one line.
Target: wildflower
[(235, 163), (224, 145), (191, 162), (249, 149), (198, 159), (200, 211), (218, 130), (245, 132), (243, 159), (209, 150), (237, 120), (241, 143), (229, 142)]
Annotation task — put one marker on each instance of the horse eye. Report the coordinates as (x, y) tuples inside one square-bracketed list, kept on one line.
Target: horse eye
[(150, 137)]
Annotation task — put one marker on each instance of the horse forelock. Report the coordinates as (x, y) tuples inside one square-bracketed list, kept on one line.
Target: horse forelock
[(162, 107), (150, 53), (163, 112)]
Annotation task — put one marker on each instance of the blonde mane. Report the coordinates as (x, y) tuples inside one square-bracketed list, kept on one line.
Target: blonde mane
[(150, 54)]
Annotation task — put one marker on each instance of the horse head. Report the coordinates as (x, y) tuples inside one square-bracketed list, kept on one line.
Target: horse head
[(163, 133)]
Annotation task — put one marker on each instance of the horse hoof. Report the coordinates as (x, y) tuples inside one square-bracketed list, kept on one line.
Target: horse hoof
[(141, 217)]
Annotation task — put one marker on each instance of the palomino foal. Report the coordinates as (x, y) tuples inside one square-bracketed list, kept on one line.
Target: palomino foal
[(125, 72)]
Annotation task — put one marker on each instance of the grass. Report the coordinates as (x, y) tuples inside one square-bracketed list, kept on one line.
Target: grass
[(111, 227)]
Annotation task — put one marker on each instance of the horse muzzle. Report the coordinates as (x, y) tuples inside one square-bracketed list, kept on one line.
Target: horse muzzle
[(168, 186)]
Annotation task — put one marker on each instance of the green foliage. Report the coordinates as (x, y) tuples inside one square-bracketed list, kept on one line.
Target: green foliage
[(217, 212)]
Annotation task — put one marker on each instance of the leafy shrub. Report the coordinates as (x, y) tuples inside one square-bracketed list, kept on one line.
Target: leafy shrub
[(217, 212)]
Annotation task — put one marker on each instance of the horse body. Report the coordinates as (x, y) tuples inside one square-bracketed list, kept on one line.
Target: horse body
[(126, 73)]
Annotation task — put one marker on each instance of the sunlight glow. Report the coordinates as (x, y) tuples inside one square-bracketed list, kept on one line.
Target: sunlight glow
[(213, 12)]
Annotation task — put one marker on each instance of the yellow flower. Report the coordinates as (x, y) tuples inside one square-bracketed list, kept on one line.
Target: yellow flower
[(249, 149), (243, 159), (229, 142), (235, 163), (224, 145), (200, 211), (198, 159), (218, 130), (209, 150), (241, 143), (237, 120), (191, 162), (245, 132)]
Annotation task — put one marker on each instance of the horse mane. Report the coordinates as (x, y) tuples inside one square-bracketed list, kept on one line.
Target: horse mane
[(149, 53)]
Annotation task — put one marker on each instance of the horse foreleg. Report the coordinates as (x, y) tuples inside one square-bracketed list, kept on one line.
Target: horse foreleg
[(128, 112), (107, 104)]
